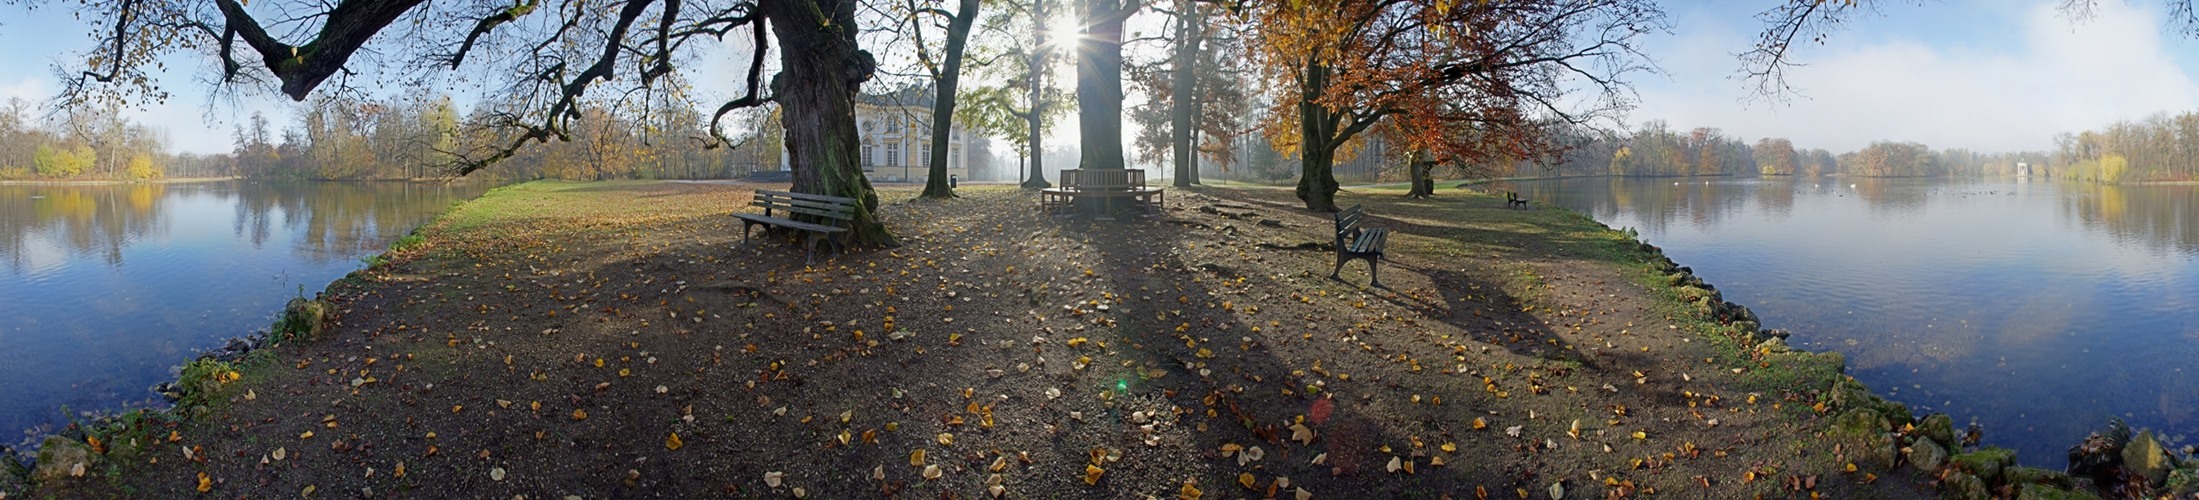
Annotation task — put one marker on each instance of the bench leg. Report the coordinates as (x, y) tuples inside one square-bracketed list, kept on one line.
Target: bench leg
[(1374, 278), (1340, 260), (811, 257)]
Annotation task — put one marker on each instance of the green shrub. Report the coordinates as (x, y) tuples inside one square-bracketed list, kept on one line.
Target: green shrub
[(203, 379)]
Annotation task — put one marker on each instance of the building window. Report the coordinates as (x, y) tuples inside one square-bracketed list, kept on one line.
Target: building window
[(893, 154), (893, 124), (927, 158), (954, 156), (868, 159)]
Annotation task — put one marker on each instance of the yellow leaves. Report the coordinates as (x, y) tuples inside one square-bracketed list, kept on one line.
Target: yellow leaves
[(1850, 467), (1300, 433), (673, 443), (1246, 479), (206, 483), (1092, 474), (400, 471), (579, 414), (1079, 341), (1480, 424), (1575, 430), (1641, 435), (946, 439), (97, 447), (933, 472), (1204, 353), (306, 435), (1449, 448), (916, 457), (1190, 491)]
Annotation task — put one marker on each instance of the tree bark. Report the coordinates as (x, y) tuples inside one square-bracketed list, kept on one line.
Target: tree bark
[(1036, 119), (958, 36), (1183, 106), (1099, 85), (816, 93), (1317, 148), (1418, 165)]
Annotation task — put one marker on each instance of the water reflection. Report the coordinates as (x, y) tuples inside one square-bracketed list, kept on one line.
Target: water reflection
[(106, 287), (2041, 308)]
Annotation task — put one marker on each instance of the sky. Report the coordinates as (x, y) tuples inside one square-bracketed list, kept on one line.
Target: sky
[(1986, 75)]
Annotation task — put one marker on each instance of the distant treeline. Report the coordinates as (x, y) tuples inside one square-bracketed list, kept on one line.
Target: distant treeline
[(2159, 148), (343, 139), (94, 144), (1655, 149), (408, 138)]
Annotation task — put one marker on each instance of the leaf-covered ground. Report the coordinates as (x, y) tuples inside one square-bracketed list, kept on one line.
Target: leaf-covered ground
[(557, 340)]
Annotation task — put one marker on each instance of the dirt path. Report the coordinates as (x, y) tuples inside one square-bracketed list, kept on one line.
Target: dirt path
[(619, 340)]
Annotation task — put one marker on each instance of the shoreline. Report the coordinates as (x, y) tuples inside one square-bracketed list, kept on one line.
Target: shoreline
[(1859, 417)]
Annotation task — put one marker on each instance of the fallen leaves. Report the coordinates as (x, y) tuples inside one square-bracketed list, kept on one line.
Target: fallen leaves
[(496, 473), (206, 483), (673, 443), (916, 457), (774, 478), (1092, 474)]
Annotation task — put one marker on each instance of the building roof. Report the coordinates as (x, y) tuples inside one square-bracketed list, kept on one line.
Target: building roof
[(911, 95)]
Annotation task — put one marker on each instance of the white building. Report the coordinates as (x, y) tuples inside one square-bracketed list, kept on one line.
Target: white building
[(895, 130)]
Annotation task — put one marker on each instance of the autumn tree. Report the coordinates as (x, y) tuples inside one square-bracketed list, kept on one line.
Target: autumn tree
[(1499, 71), (544, 57), (1774, 156)]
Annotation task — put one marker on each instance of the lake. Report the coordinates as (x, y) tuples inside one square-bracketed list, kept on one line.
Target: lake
[(105, 289), (2038, 308)]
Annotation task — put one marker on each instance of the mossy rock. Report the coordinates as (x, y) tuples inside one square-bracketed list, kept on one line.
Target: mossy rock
[(1938, 427), (1860, 421), (1691, 294), (59, 458), (1987, 463), (2020, 475), (2182, 483), (2145, 456), (1965, 487), (2044, 492), (301, 320), (1927, 456)]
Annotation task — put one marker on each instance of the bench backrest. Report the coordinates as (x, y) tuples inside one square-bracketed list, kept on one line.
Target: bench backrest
[(1107, 179), (833, 208), (1347, 224)]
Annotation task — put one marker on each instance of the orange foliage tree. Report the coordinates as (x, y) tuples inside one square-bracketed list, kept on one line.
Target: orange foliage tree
[(1466, 81)]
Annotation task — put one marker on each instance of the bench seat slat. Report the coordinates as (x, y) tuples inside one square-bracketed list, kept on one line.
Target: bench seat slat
[(790, 223), (807, 196), (817, 205)]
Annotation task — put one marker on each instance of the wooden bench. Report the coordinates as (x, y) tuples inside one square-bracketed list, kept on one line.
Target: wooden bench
[(1356, 242), (1100, 183), (1512, 199), (780, 207)]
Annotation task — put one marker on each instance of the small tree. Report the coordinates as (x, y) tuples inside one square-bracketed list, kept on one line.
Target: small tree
[(61, 163)]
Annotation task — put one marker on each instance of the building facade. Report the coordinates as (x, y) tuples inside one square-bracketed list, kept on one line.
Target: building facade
[(895, 138)]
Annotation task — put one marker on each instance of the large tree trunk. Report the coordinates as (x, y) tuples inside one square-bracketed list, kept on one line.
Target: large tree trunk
[(1036, 120), (823, 68), (1317, 144), (1099, 85), (958, 35), (1418, 166), (1183, 106)]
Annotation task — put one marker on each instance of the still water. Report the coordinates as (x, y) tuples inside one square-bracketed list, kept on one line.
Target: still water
[(2038, 308), (105, 289)]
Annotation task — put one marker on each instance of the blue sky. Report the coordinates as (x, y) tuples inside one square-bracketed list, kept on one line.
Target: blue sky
[(1981, 74)]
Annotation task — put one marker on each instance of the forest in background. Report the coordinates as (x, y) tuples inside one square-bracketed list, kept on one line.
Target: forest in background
[(347, 139)]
